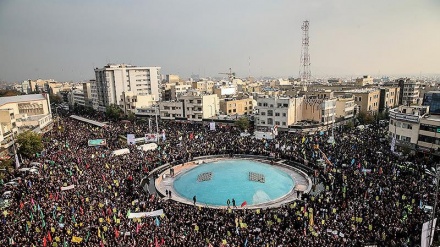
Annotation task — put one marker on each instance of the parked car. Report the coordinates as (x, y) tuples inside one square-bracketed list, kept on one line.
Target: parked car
[(11, 184), (7, 195)]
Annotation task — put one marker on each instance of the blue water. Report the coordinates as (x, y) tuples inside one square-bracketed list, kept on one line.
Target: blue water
[(230, 179)]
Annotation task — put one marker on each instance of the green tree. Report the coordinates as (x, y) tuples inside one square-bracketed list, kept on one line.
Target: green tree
[(131, 117), (365, 118), (29, 143), (242, 123), (113, 112), (55, 99), (5, 167)]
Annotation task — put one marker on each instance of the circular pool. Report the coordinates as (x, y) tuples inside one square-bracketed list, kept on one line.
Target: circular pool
[(242, 180)]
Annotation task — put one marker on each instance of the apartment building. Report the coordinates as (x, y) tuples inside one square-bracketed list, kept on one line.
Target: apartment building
[(319, 110), (366, 80), (178, 90), (171, 109), (129, 101), (367, 99), (233, 106), (409, 91), (345, 107), (432, 99), (21, 113), (405, 123), (204, 86), (115, 79), (429, 133), (197, 106), (389, 98), (280, 111)]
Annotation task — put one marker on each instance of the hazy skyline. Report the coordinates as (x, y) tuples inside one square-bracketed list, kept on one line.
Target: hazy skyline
[(66, 40)]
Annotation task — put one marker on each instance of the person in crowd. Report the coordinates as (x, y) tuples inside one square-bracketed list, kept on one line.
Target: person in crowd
[(84, 196)]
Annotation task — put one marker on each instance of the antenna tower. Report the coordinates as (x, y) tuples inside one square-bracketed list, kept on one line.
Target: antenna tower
[(304, 71)]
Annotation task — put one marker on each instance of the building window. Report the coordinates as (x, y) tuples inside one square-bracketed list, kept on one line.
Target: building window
[(277, 114), (284, 124), (270, 113), (284, 114), (277, 123), (269, 121)]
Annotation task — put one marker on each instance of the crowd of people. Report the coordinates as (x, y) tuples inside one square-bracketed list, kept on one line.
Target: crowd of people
[(82, 195)]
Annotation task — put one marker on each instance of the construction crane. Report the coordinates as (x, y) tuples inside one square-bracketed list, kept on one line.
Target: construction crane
[(231, 75)]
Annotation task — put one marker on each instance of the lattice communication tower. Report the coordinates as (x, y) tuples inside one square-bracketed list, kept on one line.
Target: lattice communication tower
[(304, 71)]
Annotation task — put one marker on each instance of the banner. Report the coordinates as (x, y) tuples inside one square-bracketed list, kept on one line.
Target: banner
[(131, 139), (150, 137), (393, 144), (97, 142), (68, 187), (212, 126), (121, 151), (146, 214), (428, 232)]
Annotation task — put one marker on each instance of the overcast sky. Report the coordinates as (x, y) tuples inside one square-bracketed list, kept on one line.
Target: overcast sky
[(65, 40)]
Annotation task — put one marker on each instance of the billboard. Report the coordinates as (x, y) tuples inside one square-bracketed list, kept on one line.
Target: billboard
[(97, 142), (131, 139), (150, 137)]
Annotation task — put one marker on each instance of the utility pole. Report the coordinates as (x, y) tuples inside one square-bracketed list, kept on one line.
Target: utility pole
[(157, 124)]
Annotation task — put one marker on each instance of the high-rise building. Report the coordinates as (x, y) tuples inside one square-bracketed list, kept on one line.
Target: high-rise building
[(409, 91), (432, 99), (114, 80)]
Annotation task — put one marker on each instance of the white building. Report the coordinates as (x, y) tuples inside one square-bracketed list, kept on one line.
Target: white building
[(197, 106), (405, 123), (76, 97), (345, 107), (115, 79), (21, 113), (171, 109), (280, 111), (410, 93)]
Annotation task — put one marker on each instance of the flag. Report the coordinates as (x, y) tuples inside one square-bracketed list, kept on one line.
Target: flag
[(246, 242), (17, 162), (244, 204), (76, 239), (157, 221)]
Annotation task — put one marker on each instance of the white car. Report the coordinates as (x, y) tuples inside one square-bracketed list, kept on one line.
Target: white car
[(7, 195), (11, 184)]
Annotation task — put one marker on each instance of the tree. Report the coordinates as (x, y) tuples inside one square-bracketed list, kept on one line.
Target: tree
[(113, 112), (365, 118), (131, 117), (242, 123), (6, 166), (55, 99), (29, 143)]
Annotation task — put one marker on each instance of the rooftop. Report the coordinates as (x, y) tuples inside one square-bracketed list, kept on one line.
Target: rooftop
[(361, 90), (21, 98)]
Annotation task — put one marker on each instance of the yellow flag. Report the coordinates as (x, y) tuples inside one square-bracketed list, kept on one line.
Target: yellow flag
[(101, 220), (57, 239), (258, 211), (76, 239), (196, 228), (52, 229)]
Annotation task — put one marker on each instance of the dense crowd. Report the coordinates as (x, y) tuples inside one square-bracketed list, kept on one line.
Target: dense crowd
[(370, 194)]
